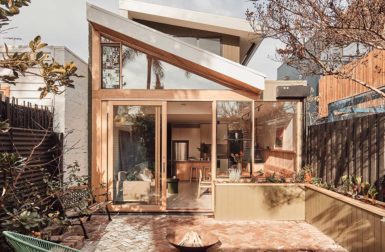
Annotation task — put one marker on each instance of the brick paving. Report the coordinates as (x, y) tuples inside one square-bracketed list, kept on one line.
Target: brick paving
[(147, 233)]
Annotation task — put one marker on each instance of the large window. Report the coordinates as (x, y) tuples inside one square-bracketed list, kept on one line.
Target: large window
[(134, 70), (209, 44), (234, 131), (275, 129), (136, 173), (127, 68)]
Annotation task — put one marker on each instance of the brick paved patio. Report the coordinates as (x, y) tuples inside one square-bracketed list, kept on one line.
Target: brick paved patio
[(147, 233)]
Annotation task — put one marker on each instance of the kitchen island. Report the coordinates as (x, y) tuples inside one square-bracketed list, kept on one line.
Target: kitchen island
[(183, 168)]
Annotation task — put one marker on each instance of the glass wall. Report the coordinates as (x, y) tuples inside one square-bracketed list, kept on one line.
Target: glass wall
[(234, 132), (275, 137), (136, 156), (127, 68), (134, 70), (209, 44)]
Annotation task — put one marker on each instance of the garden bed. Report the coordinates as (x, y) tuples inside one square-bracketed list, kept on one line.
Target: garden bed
[(350, 222)]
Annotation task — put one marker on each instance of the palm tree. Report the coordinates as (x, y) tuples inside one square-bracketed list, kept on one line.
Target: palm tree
[(153, 65), (156, 66)]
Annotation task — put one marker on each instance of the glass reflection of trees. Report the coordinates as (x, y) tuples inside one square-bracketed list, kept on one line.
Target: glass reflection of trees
[(237, 116), (139, 122), (143, 71)]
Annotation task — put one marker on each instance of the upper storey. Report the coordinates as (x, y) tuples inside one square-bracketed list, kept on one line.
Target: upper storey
[(229, 37)]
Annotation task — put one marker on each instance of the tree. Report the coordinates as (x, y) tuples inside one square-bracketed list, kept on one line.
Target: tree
[(56, 76), (28, 214), (316, 33)]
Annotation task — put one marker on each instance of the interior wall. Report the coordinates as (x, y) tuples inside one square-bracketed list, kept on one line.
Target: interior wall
[(267, 134), (192, 135)]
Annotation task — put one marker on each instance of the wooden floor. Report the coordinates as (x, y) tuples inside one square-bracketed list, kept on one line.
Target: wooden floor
[(187, 198)]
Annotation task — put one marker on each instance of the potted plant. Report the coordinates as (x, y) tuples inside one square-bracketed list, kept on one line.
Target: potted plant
[(238, 159), (204, 150)]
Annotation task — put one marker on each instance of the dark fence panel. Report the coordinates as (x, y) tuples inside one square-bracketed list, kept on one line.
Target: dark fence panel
[(41, 148), (25, 116), (348, 147)]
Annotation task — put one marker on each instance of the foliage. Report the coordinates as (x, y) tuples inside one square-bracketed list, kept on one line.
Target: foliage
[(237, 157), (234, 175), (205, 148), (321, 36), (56, 184), (24, 215), (4, 126), (56, 76), (272, 178), (372, 192), (260, 172), (9, 8), (28, 220), (304, 175), (345, 184), (355, 186), (32, 212)]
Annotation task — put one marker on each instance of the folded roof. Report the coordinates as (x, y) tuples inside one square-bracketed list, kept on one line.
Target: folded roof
[(177, 52)]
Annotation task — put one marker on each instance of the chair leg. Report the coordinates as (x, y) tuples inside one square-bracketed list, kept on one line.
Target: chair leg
[(108, 213), (191, 173), (89, 217), (199, 191), (83, 228)]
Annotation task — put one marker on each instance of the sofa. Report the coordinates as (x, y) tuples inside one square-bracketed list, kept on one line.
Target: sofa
[(137, 190)]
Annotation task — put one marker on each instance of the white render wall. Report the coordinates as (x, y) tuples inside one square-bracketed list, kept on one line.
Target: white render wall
[(70, 108)]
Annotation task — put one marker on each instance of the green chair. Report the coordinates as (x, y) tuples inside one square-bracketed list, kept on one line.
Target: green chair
[(25, 243)]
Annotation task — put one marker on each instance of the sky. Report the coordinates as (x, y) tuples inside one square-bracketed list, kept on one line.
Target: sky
[(64, 23)]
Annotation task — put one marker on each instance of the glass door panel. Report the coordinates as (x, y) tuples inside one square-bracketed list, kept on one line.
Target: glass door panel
[(136, 173)]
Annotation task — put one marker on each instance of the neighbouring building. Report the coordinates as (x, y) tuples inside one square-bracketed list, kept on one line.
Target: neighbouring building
[(70, 108), (172, 103), (344, 98)]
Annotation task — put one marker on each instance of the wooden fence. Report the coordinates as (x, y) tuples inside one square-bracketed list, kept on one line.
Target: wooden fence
[(348, 147), (370, 69), (25, 116)]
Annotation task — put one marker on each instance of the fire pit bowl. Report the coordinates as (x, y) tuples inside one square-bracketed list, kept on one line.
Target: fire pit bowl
[(208, 241)]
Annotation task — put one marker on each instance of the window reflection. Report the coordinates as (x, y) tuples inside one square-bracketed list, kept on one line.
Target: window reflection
[(209, 44), (142, 71), (275, 141), (134, 68), (167, 76), (233, 137), (136, 167), (111, 66)]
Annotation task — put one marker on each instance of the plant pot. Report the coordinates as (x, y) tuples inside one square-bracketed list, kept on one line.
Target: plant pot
[(172, 185)]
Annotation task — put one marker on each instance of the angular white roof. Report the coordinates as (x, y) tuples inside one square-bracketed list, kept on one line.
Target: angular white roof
[(244, 77), (186, 18)]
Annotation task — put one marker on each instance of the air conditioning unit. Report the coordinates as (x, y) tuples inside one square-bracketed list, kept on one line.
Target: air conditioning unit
[(292, 92)]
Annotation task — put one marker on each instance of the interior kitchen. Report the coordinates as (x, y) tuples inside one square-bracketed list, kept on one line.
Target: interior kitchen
[(189, 154)]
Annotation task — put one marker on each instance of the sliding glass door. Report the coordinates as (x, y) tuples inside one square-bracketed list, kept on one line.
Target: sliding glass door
[(137, 159)]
